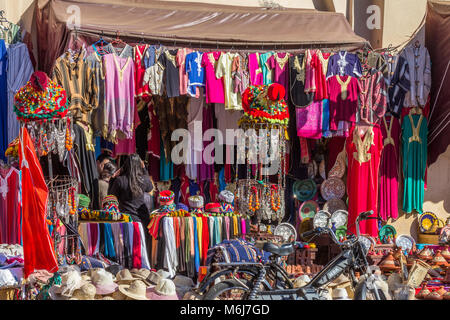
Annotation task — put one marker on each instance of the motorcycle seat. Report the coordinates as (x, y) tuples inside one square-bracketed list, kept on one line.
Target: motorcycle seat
[(283, 250)]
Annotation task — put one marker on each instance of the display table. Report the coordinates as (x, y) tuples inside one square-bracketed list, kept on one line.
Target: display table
[(121, 242)]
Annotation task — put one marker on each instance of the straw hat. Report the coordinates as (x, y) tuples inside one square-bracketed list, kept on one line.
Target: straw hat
[(439, 259), (70, 281), (119, 296), (124, 276), (340, 294), (143, 274), (164, 290), (103, 282), (86, 292), (164, 274), (154, 278), (107, 298), (136, 290)]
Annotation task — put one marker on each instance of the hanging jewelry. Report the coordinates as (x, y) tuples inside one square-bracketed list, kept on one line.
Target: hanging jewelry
[(69, 143), (254, 191)]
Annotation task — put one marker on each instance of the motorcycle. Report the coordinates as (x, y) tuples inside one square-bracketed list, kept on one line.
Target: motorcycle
[(269, 281)]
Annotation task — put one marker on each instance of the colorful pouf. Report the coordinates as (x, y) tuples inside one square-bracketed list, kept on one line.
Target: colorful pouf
[(213, 207), (40, 98), (110, 203)]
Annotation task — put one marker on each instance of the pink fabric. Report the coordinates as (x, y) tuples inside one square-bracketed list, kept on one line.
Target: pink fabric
[(214, 87), (362, 181), (119, 94), (181, 58), (388, 198), (10, 228), (309, 120), (256, 75), (280, 75), (342, 110), (137, 258)]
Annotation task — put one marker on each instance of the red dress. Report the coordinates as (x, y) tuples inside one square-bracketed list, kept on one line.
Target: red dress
[(142, 91), (363, 156)]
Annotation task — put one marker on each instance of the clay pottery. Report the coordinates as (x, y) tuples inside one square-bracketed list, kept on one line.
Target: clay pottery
[(433, 296), (388, 263), (425, 254), (446, 296), (441, 290), (445, 253), (439, 260), (423, 292)]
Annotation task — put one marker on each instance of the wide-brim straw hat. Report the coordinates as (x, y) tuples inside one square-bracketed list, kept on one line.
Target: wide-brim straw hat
[(340, 294), (154, 278), (124, 276), (136, 290), (86, 292), (165, 290), (143, 274), (103, 282)]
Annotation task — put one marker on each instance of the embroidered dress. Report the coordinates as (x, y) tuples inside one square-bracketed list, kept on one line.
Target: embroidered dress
[(181, 58), (19, 72), (224, 69), (152, 54), (213, 86), (195, 73), (154, 77), (142, 89), (343, 100), (372, 97), (171, 72), (309, 121), (255, 70), (414, 152), (298, 96), (280, 66), (344, 63), (374, 60), (10, 219), (419, 64), (320, 65), (363, 156), (119, 97), (310, 78), (388, 196)]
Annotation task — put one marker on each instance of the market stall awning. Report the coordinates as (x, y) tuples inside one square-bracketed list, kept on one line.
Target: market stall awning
[(437, 40), (195, 23)]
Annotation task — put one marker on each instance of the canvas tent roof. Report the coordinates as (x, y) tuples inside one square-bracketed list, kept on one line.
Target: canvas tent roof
[(195, 23)]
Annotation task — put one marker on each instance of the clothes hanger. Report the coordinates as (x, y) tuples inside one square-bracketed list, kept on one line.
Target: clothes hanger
[(117, 42), (3, 20), (98, 46), (77, 40)]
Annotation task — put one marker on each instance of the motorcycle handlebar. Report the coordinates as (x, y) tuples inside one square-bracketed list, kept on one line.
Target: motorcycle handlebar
[(307, 234)]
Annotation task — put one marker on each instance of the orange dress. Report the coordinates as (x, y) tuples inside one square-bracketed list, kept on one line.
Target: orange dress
[(363, 156)]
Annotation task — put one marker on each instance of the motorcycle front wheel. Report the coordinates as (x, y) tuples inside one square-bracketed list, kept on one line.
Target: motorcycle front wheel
[(227, 290)]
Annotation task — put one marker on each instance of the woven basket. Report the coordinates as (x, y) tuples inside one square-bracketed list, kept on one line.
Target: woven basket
[(7, 292), (417, 273), (428, 238)]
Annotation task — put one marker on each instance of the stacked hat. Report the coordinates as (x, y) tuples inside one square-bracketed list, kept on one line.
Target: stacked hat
[(166, 197), (195, 202), (164, 290), (83, 201), (136, 290), (103, 282), (226, 196), (110, 203), (213, 207), (40, 98), (265, 104)]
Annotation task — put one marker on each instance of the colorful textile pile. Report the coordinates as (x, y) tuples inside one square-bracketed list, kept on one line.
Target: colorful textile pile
[(40, 98)]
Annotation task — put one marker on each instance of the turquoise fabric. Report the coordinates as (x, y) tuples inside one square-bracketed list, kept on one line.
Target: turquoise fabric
[(196, 248), (267, 72)]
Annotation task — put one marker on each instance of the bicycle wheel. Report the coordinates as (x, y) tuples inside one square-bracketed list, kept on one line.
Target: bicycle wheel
[(227, 290)]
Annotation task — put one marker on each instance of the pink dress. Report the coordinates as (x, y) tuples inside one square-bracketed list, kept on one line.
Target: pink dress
[(181, 59), (309, 120), (214, 87), (119, 97), (363, 156), (10, 227), (310, 78), (343, 100), (388, 198), (254, 68)]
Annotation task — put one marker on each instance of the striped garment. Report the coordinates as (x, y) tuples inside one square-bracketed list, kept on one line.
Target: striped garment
[(236, 250), (75, 75)]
